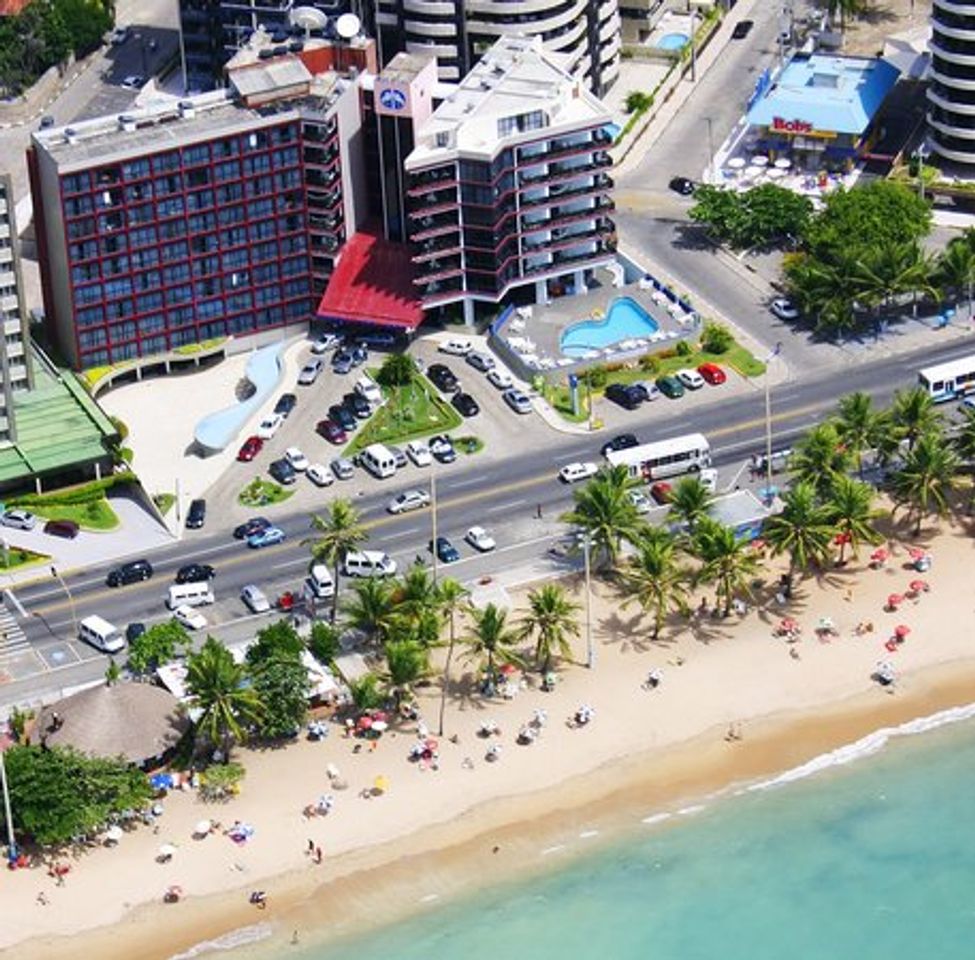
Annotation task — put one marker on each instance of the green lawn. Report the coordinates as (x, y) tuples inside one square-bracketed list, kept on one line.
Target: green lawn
[(468, 444), (560, 398), (262, 493), (15, 557), (90, 515), (409, 412), (164, 502)]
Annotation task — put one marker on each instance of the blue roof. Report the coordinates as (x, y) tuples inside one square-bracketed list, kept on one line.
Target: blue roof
[(838, 94)]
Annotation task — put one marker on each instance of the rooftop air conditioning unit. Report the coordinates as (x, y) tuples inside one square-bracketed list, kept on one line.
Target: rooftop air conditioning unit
[(70, 135), (126, 122), (187, 109)]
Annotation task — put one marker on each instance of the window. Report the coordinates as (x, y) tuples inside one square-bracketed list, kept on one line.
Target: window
[(124, 352), (228, 170), (230, 193), (86, 295), (121, 287), (261, 208), (259, 186), (153, 300), (260, 163), (143, 236), (114, 265), (180, 294), (201, 223), (293, 266), (266, 295), (194, 156), (144, 258), (235, 237), (176, 273), (205, 265), (287, 180), (230, 215), (225, 148), (265, 273), (76, 182), (442, 138), (285, 158), (77, 206), (209, 309), (135, 169), (241, 323), (164, 162), (214, 329), (173, 207), (153, 345), (200, 200), (175, 251), (204, 244), (239, 301), (116, 243), (234, 260), (84, 251), (165, 186), (84, 273), (262, 230), (143, 214), (81, 228), (121, 331), (92, 338), (179, 316), (89, 316)]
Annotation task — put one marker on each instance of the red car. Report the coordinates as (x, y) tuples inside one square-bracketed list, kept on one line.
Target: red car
[(331, 431), (662, 491), (712, 373), (251, 447)]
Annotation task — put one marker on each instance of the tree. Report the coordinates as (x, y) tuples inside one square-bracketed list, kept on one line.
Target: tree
[(490, 642), (58, 793), (858, 425), (551, 620), (825, 290), (604, 512), (956, 269), (964, 444), (727, 560), (339, 530), (159, 644), (913, 413), (86, 22), (416, 592), (656, 580), (820, 457), (802, 529), (324, 642), (892, 270), (719, 210), (397, 370), (716, 338), (372, 607), (846, 8), (276, 641), (281, 684), (637, 101), (365, 693), (926, 478), (772, 214), (451, 595), (690, 500), (220, 689), (406, 662), (851, 511)]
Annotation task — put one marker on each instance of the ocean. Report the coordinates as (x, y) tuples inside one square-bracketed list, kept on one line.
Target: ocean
[(866, 852)]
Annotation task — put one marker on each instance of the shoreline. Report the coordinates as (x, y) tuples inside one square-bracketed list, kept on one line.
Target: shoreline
[(536, 831)]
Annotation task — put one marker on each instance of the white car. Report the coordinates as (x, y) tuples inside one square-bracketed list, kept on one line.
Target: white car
[(419, 453), (19, 519), (480, 361), (255, 599), (134, 82), (269, 426), (650, 390), (518, 401), (480, 539), (310, 371), (784, 309), (690, 378), (409, 500), (299, 462), (640, 500), (500, 379), (369, 390), (456, 348), (320, 475), (189, 617), (325, 342), (574, 472)]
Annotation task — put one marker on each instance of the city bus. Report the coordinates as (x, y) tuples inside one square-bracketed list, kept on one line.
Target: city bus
[(950, 380), (665, 458)]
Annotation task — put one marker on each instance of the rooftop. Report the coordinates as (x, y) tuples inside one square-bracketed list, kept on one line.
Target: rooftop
[(830, 93)]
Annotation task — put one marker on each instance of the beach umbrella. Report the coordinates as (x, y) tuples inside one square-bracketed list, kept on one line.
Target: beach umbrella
[(879, 556), (365, 723), (507, 669), (380, 784), (895, 600), (783, 163), (113, 834), (202, 828), (915, 553), (919, 586), (901, 630), (379, 726), (736, 163), (167, 850)]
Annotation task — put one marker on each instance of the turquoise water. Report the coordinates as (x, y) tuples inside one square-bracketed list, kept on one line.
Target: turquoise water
[(673, 41), (872, 859), (626, 319)]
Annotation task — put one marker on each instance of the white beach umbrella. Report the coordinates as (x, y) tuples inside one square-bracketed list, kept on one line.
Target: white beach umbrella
[(113, 834), (202, 828), (167, 850)]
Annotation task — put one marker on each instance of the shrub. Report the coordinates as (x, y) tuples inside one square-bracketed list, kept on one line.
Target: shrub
[(120, 426), (716, 338), (595, 376), (221, 781), (637, 101), (324, 642), (650, 363), (683, 349)]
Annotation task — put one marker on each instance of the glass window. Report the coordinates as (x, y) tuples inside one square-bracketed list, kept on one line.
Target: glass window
[(225, 148), (193, 156), (175, 251), (228, 170), (76, 182), (200, 200), (210, 308), (73, 207), (234, 260), (165, 161), (122, 331), (235, 237), (142, 236), (89, 316), (229, 215), (203, 244), (180, 294), (230, 193), (92, 338), (152, 300), (175, 273), (125, 351), (202, 223), (259, 163), (115, 243), (86, 295), (144, 258), (81, 228), (118, 288), (179, 316), (205, 265), (173, 207), (213, 329), (285, 158), (294, 265), (153, 345), (135, 169), (84, 250)]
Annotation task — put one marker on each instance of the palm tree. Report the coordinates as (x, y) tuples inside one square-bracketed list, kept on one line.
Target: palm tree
[(339, 530), (690, 501), (490, 642), (220, 690), (846, 8), (964, 443), (656, 580), (397, 370), (956, 269), (893, 269), (365, 692), (820, 457), (912, 413), (416, 592), (802, 529), (605, 512), (406, 662), (858, 425), (851, 510), (727, 560), (926, 477), (372, 607), (451, 596), (825, 290), (551, 619)]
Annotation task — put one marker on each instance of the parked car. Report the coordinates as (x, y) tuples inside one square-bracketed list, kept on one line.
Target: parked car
[(626, 395), (640, 500), (297, 460), (574, 472), (286, 403), (442, 377), (283, 472), (409, 500), (310, 371), (331, 431), (419, 453), (648, 390), (343, 416), (480, 539), (784, 309), (67, 529), (445, 550), (269, 426), (670, 387), (19, 519), (480, 361), (358, 404), (465, 404), (359, 354), (681, 185), (134, 630), (399, 456), (518, 400), (195, 573), (712, 373), (622, 441), (742, 29), (265, 538), (325, 342), (248, 527), (442, 448), (190, 617), (690, 379), (662, 492), (457, 348), (135, 571), (119, 36), (500, 379), (255, 599), (367, 388), (319, 475), (343, 468), (196, 516), (341, 361), (134, 81), (249, 449)]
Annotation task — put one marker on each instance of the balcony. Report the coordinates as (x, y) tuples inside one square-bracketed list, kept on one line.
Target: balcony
[(561, 148), (432, 249), (603, 249), (430, 227), (442, 292), (432, 179), (439, 273), (426, 211)]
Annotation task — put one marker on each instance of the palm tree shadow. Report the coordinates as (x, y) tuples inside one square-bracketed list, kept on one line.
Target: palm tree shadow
[(627, 632)]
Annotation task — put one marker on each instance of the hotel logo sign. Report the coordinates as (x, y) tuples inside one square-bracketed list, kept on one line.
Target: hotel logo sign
[(781, 125), (392, 99)]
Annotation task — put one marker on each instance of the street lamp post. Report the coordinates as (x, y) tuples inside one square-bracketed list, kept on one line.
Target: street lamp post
[(921, 154), (709, 172), (8, 816), (590, 649), (74, 613), (768, 422), (433, 519)]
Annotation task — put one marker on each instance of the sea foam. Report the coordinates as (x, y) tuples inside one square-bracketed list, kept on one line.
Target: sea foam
[(241, 937)]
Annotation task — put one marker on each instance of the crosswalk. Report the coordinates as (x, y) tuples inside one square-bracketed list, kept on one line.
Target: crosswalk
[(13, 640)]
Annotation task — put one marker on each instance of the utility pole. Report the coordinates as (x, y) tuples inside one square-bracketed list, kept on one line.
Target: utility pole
[(74, 613), (768, 423), (590, 649), (433, 512), (8, 816)]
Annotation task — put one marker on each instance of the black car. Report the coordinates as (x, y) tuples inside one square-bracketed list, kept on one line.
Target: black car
[(442, 448), (195, 573), (359, 354), (681, 185), (134, 630), (249, 527), (465, 405), (283, 472), (742, 29), (442, 377), (339, 413), (196, 515), (446, 551), (628, 397), (286, 403), (131, 572), (623, 442), (358, 404)]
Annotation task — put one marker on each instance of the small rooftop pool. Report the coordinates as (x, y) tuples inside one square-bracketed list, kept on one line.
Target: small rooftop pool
[(625, 320)]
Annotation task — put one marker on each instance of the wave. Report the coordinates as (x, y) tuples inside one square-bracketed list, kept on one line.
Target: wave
[(241, 937)]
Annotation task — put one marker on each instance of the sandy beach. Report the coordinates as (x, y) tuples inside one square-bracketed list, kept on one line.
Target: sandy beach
[(439, 832)]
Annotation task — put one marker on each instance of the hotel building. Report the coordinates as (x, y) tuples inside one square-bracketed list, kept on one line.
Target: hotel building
[(951, 91)]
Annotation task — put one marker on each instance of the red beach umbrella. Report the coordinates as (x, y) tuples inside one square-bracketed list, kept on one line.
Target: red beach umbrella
[(895, 600), (901, 630), (915, 553), (879, 556), (919, 586)]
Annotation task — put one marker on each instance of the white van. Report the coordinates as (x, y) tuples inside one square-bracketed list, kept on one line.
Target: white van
[(101, 634), (370, 391), (319, 584), (190, 595), (379, 461), (369, 563)]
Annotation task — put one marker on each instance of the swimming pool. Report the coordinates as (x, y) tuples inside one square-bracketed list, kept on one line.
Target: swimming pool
[(626, 320), (673, 41)]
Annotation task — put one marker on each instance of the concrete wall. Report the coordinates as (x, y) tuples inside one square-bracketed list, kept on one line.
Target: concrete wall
[(35, 100)]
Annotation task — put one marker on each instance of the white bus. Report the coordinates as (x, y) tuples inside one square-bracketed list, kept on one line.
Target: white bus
[(950, 380), (665, 458)]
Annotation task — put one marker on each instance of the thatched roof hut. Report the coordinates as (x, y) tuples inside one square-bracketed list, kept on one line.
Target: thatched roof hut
[(138, 721)]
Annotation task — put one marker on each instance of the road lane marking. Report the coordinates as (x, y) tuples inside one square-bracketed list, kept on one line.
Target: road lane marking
[(12, 597)]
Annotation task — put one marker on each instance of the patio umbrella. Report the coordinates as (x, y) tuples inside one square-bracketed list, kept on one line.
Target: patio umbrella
[(776, 173), (783, 163), (760, 160), (380, 725), (789, 625), (508, 669), (167, 850), (736, 163), (202, 828), (901, 630), (879, 556), (919, 586), (895, 600), (915, 553), (113, 834)]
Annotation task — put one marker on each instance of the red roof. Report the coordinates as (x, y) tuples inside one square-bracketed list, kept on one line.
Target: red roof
[(10, 8), (372, 283)]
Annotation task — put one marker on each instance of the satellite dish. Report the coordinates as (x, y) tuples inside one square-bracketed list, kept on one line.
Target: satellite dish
[(308, 18), (347, 26)]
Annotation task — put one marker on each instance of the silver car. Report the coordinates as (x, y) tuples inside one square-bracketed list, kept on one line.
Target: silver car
[(255, 599), (310, 371), (519, 401), (19, 519), (343, 468)]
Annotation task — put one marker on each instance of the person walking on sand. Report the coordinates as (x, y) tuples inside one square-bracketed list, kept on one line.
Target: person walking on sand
[(318, 854)]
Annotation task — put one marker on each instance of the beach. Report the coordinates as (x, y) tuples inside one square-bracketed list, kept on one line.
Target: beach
[(437, 833)]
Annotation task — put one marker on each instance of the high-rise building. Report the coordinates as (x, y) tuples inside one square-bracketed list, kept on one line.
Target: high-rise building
[(951, 91), (458, 32), (508, 184), (219, 215)]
